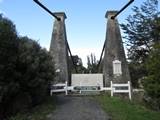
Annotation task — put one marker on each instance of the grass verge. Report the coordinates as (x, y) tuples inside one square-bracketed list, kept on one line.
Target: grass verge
[(39, 112), (119, 109)]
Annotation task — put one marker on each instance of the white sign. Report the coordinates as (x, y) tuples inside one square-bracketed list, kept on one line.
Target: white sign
[(87, 80), (117, 70)]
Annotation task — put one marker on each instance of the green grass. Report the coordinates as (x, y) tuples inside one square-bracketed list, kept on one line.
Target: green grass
[(39, 112), (119, 109)]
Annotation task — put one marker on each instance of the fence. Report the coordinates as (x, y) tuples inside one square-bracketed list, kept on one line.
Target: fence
[(115, 90), (60, 87), (63, 87)]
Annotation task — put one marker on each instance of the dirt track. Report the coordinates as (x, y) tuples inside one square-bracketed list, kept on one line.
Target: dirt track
[(77, 108)]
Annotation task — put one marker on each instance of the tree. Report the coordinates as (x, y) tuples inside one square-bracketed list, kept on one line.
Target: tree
[(152, 80), (26, 71), (8, 57), (142, 31), (78, 64), (35, 69), (92, 64)]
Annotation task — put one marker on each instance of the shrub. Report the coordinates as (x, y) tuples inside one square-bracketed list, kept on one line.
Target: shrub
[(26, 71), (152, 81)]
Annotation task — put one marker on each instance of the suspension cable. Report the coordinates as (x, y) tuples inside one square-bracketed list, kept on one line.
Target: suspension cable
[(113, 17), (45, 8)]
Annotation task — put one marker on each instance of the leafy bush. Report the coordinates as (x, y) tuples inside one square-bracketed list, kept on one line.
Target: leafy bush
[(25, 71), (8, 57), (35, 68), (152, 81)]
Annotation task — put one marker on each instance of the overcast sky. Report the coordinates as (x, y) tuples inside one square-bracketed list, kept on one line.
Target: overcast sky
[(85, 23)]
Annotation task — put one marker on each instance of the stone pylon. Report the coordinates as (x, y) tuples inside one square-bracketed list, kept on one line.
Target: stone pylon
[(58, 48), (114, 50)]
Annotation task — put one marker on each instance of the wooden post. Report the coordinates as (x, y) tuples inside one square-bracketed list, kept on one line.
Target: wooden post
[(80, 88), (66, 88), (111, 89), (129, 88)]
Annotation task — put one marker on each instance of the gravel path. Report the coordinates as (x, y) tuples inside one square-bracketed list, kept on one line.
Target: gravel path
[(77, 108)]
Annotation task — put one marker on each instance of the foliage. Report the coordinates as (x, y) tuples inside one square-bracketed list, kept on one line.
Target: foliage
[(152, 80), (120, 109), (137, 71), (142, 30), (92, 64), (77, 66), (35, 68), (25, 71), (8, 57)]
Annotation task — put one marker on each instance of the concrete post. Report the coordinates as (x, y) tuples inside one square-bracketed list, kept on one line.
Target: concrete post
[(58, 48), (114, 50)]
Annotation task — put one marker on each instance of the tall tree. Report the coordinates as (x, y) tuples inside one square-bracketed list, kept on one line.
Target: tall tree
[(142, 30), (92, 64), (78, 64)]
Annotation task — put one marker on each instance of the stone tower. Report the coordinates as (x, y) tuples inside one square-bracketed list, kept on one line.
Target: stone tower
[(58, 48), (114, 50)]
